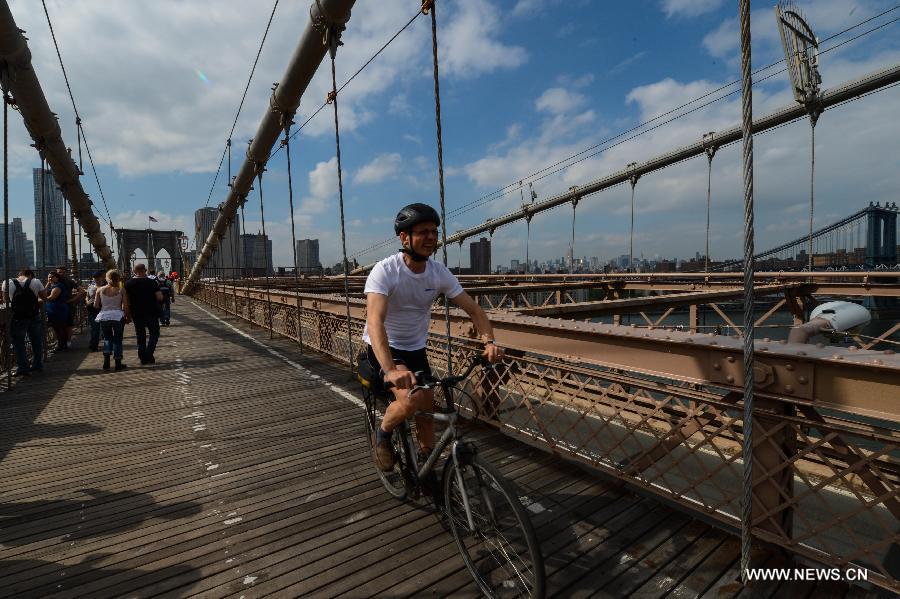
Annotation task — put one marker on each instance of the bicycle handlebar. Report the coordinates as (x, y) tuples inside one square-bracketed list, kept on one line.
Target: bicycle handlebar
[(430, 382)]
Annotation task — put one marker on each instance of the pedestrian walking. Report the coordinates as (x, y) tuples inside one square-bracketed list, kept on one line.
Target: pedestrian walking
[(113, 310), (144, 298), (99, 280), (168, 291), (75, 296), (25, 292), (58, 309)]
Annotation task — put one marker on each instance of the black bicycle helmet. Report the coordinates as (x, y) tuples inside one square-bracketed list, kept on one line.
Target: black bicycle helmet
[(414, 214)]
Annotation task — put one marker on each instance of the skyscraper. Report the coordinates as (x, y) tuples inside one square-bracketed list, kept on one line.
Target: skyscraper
[(308, 256), (480, 256), (49, 218), (229, 253), (29, 252), (257, 254)]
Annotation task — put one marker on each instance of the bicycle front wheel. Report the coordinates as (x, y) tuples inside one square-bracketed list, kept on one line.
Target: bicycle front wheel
[(393, 481), (501, 549)]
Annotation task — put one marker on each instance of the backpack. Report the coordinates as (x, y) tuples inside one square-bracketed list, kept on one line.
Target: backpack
[(24, 302)]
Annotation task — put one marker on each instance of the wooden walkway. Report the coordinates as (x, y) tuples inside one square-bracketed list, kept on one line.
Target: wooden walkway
[(236, 467)]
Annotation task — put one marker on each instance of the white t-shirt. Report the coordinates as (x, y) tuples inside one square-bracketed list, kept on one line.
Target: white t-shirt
[(410, 297), (36, 287)]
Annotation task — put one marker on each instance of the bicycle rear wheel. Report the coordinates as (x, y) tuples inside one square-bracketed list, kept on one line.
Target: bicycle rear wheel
[(501, 551), (394, 481)]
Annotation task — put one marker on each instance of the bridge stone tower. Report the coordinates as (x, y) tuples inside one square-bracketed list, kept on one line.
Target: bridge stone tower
[(150, 242), (881, 235)]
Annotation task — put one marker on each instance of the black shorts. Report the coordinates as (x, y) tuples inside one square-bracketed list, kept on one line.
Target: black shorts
[(70, 319), (416, 360)]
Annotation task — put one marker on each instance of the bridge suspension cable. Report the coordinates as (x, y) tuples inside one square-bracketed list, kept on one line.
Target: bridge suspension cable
[(830, 98), (22, 83), (227, 148), (640, 128), (285, 98), (79, 124), (333, 40)]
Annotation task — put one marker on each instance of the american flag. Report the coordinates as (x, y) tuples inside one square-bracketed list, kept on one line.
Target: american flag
[(152, 220)]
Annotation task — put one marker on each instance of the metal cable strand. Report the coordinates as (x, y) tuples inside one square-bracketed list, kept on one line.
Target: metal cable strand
[(747, 124), (337, 143), (812, 172), (297, 300), (440, 159), (241, 105), (572, 257), (9, 291), (709, 155), (262, 216)]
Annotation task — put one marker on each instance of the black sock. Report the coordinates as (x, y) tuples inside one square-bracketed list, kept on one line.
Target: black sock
[(382, 435)]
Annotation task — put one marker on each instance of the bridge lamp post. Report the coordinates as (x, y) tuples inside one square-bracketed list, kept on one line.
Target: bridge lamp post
[(801, 53)]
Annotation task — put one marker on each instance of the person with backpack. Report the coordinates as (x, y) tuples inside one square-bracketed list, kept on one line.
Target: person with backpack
[(24, 294)]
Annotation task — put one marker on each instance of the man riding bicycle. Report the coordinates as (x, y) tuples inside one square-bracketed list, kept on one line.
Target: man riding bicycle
[(400, 292)]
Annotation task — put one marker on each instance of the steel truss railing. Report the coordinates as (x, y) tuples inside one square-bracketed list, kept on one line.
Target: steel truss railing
[(826, 483), (8, 358)]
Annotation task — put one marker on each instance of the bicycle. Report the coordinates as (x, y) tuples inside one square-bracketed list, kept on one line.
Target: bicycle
[(488, 522)]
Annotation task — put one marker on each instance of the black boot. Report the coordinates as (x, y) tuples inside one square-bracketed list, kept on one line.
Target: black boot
[(106, 361), (119, 365)]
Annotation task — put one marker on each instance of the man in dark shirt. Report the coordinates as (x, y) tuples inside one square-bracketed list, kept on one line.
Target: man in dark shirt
[(75, 296), (144, 299)]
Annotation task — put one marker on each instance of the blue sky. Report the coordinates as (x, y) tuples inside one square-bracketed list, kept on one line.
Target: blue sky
[(524, 83)]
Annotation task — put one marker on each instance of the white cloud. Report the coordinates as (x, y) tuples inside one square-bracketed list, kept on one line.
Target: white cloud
[(378, 169), (322, 187), (469, 42), (663, 198), (525, 7), (689, 8), (558, 100), (137, 219)]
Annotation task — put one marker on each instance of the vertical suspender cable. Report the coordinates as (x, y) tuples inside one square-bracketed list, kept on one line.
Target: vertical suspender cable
[(262, 216), (288, 119), (430, 4), (333, 43), (572, 250), (747, 130), (9, 288), (812, 179)]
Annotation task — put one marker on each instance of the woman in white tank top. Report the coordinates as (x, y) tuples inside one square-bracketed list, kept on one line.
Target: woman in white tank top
[(112, 302)]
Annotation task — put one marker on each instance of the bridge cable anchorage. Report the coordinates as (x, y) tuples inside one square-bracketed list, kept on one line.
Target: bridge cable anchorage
[(710, 147), (4, 73), (747, 135), (260, 168), (333, 40), (243, 98), (632, 179), (288, 120), (428, 6)]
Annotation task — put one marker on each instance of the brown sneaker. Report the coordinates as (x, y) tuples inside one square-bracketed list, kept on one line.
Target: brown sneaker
[(384, 456)]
